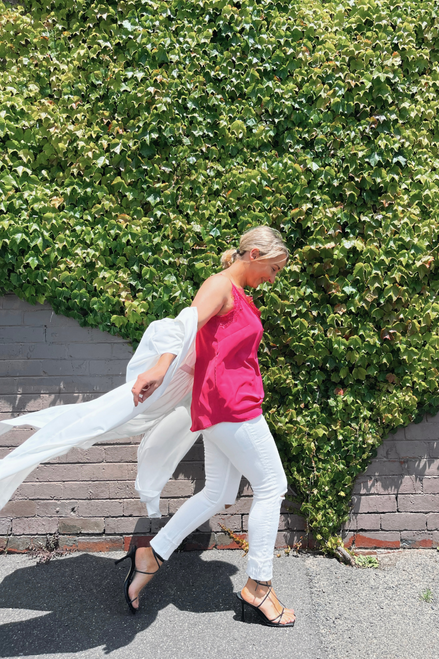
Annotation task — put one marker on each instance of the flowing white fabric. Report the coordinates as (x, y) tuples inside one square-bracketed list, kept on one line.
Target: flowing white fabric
[(164, 417)]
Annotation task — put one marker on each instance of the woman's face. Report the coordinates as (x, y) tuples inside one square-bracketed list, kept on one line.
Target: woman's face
[(263, 270)]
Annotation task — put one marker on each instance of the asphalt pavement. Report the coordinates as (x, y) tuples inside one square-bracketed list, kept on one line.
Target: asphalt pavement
[(73, 607)]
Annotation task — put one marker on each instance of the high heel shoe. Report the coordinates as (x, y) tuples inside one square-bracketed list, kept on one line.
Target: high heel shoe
[(275, 622), (132, 571)]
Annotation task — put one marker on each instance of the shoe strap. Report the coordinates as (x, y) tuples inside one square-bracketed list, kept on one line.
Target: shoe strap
[(279, 617), (270, 588), (267, 585), (142, 572), (157, 558)]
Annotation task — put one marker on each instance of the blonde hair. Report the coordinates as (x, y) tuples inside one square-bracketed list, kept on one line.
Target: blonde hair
[(267, 240)]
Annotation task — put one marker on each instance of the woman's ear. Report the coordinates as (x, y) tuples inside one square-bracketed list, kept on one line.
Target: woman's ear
[(254, 254)]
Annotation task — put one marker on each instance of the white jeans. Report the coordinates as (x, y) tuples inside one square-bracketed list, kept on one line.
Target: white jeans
[(232, 450)]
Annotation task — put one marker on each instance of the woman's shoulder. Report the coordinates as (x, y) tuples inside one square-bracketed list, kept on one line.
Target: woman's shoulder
[(217, 282)]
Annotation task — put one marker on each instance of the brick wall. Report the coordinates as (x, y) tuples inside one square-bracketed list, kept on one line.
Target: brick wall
[(89, 497), (396, 501)]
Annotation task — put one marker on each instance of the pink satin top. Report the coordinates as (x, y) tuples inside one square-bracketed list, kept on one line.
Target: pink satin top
[(227, 380)]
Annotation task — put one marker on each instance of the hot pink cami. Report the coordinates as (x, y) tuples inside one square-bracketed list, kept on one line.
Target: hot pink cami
[(227, 380)]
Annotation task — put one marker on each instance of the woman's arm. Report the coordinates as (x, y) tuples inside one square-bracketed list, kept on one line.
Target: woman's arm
[(151, 380), (210, 299)]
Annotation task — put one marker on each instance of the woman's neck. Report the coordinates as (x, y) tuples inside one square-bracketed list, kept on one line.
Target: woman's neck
[(237, 273)]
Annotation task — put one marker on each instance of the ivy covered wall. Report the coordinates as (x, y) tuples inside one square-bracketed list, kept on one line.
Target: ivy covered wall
[(139, 139)]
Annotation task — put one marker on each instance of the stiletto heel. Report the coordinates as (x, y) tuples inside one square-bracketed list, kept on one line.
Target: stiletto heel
[(275, 622), (132, 571), (129, 555)]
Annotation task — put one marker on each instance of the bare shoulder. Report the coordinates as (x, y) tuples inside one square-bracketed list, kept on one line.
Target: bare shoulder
[(217, 284), (211, 298), (213, 293)]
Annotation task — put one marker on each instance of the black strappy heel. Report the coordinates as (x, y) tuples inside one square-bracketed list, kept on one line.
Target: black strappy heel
[(275, 622), (130, 576)]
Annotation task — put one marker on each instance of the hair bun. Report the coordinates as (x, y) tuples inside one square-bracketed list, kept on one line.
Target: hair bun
[(228, 258)]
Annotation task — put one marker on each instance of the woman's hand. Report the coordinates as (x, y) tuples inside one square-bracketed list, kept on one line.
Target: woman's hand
[(146, 384), (151, 380)]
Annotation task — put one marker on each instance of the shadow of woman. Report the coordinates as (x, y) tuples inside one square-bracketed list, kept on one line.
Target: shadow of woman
[(83, 596)]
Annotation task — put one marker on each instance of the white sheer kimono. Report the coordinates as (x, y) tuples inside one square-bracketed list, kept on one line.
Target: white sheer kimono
[(164, 417)]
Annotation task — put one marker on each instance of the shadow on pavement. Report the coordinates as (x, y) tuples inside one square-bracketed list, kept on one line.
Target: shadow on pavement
[(84, 597)]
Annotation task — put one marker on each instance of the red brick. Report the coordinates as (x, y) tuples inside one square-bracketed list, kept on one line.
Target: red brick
[(403, 521), (431, 485), (19, 509), (104, 544), (224, 541), (136, 541), (427, 503), (34, 525), (433, 522), (76, 526), (383, 540), (24, 543), (416, 539), (348, 540), (374, 503), (68, 542)]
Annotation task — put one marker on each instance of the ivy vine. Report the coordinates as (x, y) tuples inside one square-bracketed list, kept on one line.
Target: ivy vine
[(140, 138)]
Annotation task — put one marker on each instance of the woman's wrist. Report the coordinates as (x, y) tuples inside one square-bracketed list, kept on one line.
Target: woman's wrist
[(163, 364)]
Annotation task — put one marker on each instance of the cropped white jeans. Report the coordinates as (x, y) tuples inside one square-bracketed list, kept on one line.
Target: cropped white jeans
[(232, 450)]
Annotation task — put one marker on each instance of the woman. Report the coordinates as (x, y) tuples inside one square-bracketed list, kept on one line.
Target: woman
[(226, 406)]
